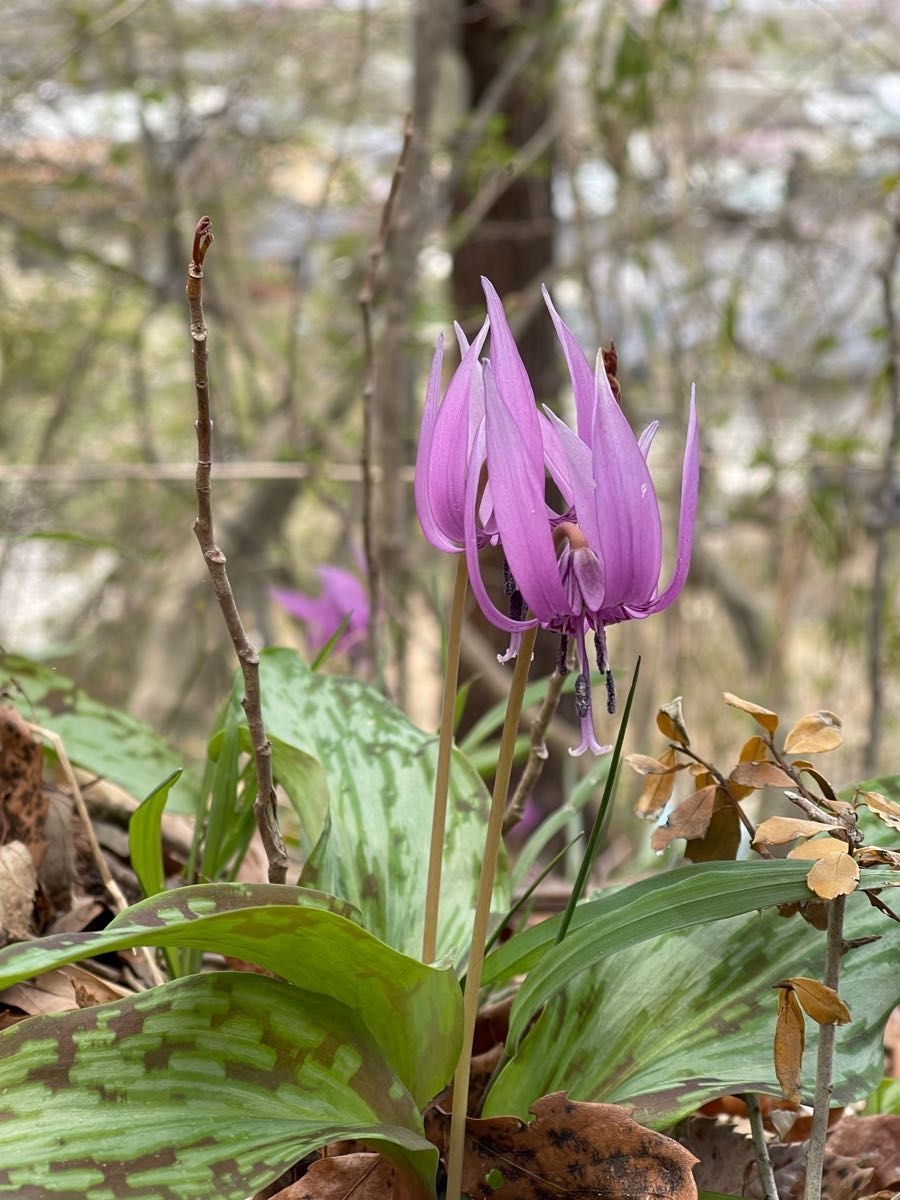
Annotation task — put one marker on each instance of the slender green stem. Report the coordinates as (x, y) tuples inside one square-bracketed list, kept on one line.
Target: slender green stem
[(445, 751), (763, 1162), (593, 845), (815, 1158), (492, 843)]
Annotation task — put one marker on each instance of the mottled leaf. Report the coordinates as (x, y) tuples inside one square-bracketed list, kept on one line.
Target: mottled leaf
[(670, 722), (790, 1035), (819, 1001), (762, 716), (379, 770), (100, 739), (413, 1010), (834, 875), (672, 1022), (814, 734), (207, 1086), (568, 1150)]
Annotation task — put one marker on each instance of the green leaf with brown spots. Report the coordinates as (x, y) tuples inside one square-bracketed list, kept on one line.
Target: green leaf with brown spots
[(379, 773), (101, 739), (672, 1022), (413, 1011), (209, 1086)]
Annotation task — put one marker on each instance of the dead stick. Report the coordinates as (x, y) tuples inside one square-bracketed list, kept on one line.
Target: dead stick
[(365, 298), (248, 657)]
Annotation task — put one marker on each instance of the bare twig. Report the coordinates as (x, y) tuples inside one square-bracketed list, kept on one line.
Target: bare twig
[(886, 498), (538, 753), (113, 890), (760, 1146), (248, 657), (834, 948), (366, 295)]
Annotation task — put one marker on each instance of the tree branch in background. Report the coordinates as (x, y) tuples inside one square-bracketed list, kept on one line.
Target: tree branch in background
[(366, 294), (886, 499), (264, 805)]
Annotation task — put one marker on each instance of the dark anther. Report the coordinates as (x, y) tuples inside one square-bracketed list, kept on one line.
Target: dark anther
[(600, 647), (582, 696), (610, 693), (516, 606), (509, 583), (561, 665)]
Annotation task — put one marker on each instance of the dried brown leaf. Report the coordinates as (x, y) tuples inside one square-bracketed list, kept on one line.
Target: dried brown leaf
[(820, 1002), (777, 830), (670, 722), (689, 820), (643, 764), (876, 856), (815, 733), (722, 839), (23, 801), (876, 1140), (763, 716), (18, 879), (340, 1176), (760, 775), (657, 790), (789, 1039), (569, 1149), (819, 846), (753, 750), (887, 810), (834, 875)]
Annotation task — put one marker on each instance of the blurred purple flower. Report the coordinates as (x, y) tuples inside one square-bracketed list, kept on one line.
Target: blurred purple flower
[(342, 597), (598, 563)]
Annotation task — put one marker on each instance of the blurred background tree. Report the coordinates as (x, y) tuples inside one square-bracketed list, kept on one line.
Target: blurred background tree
[(712, 184)]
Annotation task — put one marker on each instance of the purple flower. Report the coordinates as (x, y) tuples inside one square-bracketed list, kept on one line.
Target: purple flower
[(598, 563), (343, 597)]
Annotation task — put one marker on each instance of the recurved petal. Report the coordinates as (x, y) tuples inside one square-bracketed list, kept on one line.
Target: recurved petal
[(423, 456), (690, 486), (450, 446), (509, 370), (627, 512), (517, 489), (579, 371), (645, 441), (490, 610)]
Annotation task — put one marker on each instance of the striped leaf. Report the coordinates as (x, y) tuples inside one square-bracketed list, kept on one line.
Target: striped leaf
[(413, 1011), (379, 771), (207, 1086), (677, 1020)]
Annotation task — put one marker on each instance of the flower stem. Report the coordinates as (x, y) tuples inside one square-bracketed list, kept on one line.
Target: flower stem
[(815, 1158), (445, 752), (492, 845)]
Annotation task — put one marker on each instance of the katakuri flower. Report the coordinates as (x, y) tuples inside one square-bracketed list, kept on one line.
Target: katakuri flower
[(598, 563), (343, 598)]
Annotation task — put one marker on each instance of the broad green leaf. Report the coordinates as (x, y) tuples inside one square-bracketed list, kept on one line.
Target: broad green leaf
[(209, 1086), (304, 783), (679, 1019), (100, 739), (695, 895), (145, 837), (884, 1099), (413, 1011), (379, 770)]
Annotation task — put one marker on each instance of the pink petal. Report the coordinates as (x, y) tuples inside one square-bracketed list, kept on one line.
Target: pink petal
[(579, 371)]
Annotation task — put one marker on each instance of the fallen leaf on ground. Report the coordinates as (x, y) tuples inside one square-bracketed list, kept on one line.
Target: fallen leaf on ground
[(23, 802), (17, 883), (572, 1150), (873, 1139), (360, 1176)]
